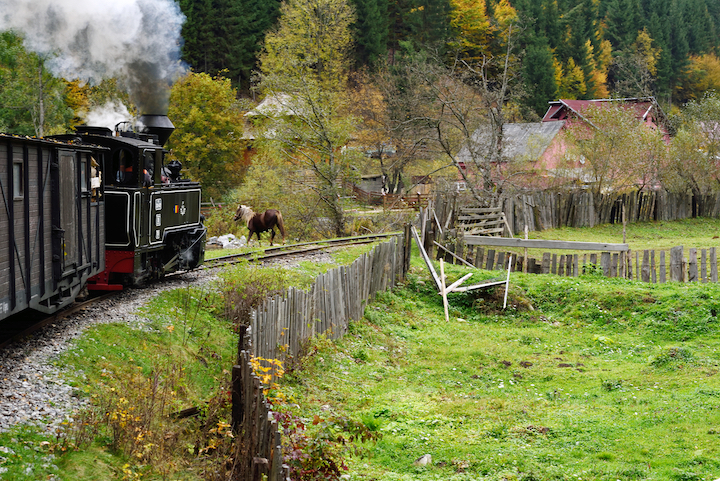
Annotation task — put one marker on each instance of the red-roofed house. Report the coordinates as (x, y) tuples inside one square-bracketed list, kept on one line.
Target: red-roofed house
[(544, 145), (646, 110)]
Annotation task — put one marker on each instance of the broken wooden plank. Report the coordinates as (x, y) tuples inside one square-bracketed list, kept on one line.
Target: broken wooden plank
[(452, 254), (544, 244), (427, 260)]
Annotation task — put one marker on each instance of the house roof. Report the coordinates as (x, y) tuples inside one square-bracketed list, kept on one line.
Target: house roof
[(274, 105), (527, 141), (645, 108)]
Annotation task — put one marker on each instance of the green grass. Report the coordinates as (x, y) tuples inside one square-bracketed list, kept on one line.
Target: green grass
[(581, 378), (698, 233), (602, 379), (135, 377), (306, 272)]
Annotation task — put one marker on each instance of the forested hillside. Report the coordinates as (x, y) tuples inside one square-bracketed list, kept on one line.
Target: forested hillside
[(577, 49), (394, 88)]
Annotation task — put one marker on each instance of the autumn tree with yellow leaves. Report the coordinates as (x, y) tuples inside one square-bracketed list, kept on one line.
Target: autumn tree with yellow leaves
[(304, 69)]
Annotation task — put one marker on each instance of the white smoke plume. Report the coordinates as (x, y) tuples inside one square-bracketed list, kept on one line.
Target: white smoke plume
[(108, 115), (136, 41)]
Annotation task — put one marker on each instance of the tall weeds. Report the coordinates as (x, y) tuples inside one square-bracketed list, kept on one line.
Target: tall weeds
[(244, 288)]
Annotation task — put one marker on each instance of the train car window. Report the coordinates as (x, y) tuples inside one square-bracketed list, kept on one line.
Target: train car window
[(148, 167), (83, 173), (124, 168), (18, 190), (95, 178)]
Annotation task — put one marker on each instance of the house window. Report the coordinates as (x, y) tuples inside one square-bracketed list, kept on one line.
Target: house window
[(18, 184)]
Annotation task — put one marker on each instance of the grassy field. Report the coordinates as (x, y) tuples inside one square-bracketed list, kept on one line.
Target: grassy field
[(588, 378), (579, 379), (699, 233)]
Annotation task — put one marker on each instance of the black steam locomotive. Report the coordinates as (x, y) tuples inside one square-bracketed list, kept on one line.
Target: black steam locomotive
[(96, 209)]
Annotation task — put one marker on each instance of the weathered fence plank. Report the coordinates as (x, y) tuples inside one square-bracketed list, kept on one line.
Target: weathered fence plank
[(663, 273), (692, 265), (676, 264)]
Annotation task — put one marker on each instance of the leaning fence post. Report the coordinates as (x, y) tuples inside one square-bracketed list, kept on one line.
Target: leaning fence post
[(407, 251), (238, 403)]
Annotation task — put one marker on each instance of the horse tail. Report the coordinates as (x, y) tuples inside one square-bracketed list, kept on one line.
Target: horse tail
[(281, 225)]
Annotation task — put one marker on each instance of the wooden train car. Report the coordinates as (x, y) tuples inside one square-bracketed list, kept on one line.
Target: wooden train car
[(52, 222)]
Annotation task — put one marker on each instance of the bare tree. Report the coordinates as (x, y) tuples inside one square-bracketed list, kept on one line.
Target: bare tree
[(464, 106)]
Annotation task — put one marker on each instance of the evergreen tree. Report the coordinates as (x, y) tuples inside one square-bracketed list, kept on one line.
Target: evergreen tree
[(700, 26), (539, 76), (225, 35), (418, 22), (678, 46), (582, 39), (551, 23), (623, 22), (370, 30)]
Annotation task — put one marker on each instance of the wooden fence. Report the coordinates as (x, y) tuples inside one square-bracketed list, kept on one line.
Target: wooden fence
[(258, 451), (391, 201), (546, 210), (280, 328), (656, 266)]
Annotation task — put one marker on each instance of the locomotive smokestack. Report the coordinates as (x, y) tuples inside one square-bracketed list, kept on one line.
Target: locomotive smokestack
[(159, 125)]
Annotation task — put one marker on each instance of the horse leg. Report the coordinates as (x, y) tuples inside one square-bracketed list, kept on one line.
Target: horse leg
[(272, 235)]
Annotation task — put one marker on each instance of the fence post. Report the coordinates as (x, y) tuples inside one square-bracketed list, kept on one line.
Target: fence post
[(525, 258), (546, 263), (692, 265), (242, 342), (653, 273), (238, 404), (663, 277), (605, 263), (407, 251), (676, 264)]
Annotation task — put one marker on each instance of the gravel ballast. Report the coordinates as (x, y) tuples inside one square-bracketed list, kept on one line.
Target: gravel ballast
[(32, 390)]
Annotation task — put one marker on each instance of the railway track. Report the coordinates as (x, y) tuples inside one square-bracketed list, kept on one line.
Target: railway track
[(295, 249), (24, 325)]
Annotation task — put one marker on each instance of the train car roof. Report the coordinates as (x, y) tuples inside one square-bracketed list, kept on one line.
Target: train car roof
[(113, 140), (55, 140)]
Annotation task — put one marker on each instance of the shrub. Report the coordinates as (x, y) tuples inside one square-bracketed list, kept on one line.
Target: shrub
[(672, 355), (319, 453), (244, 288)]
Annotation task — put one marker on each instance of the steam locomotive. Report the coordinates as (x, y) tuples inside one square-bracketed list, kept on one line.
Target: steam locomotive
[(96, 208)]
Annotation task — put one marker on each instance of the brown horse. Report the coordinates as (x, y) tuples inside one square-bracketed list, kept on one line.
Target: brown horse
[(257, 223)]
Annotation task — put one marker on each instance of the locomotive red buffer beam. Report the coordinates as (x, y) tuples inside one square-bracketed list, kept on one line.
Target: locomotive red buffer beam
[(120, 262)]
